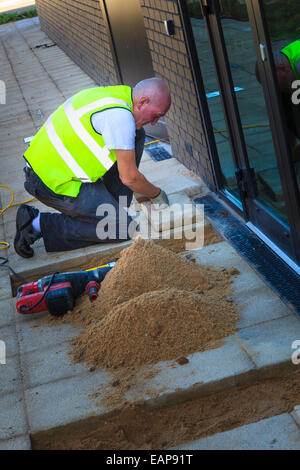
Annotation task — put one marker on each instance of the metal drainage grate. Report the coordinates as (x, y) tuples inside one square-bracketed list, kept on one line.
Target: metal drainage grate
[(44, 46), (156, 151), (278, 275)]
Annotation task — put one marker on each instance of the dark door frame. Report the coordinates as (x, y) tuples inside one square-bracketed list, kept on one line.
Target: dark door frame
[(285, 237), (280, 135), (200, 94), (112, 45)]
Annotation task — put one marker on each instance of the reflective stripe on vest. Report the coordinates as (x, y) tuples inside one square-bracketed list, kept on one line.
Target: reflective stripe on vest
[(64, 153), (101, 153), (98, 104)]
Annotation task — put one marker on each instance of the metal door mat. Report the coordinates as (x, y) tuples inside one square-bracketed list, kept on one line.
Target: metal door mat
[(278, 275), (156, 151)]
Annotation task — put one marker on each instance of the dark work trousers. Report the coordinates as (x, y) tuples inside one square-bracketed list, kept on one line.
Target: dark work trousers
[(94, 216)]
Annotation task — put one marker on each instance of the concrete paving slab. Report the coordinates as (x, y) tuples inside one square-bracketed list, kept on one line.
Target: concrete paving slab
[(20, 130), (180, 182), (270, 343), (19, 196), (11, 165), (48, 365), (256, 301), (206, 372), (10, 373), (259, 305), (296, 414), (276, 433), (13, 112), (36, 336), (181, 212), (5, 286), (15, 179), (16, 443), (43, 263), (8, 334), (190, 236), (10, 148), (155, 168), (28, 23), (12, 415), (7, 312), (65, 401)]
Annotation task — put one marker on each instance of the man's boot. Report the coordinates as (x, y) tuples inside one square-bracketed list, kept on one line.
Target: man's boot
[(25, 234)]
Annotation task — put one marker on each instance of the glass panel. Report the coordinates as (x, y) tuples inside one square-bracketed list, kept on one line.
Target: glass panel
[(283, 20), (213, 96), (251, 104)]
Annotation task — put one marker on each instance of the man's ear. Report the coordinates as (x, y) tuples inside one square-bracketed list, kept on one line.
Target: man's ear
[(142, 101)]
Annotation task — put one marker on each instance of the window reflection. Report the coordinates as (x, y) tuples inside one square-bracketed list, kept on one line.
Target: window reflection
[(253, 113), (283, 19), (213, 97)]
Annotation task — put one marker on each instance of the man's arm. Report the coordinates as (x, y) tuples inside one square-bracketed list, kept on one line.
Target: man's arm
[(132, 177)]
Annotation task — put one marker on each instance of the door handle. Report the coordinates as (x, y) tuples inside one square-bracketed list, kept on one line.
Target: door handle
[(263, 53)]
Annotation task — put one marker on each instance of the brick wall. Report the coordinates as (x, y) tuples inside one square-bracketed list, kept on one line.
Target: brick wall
[(78, 27), (171, 63)]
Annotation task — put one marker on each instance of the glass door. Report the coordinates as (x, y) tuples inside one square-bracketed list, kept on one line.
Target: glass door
[(251, 140)]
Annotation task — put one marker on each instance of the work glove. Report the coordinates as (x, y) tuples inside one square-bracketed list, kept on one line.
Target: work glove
[(141, 197), (161, 199)]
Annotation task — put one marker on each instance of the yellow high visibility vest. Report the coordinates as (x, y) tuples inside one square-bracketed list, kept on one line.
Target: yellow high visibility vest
[(67, 151), (292, 51)]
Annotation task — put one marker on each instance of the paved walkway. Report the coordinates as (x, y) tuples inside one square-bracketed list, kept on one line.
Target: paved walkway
[(40, 388)]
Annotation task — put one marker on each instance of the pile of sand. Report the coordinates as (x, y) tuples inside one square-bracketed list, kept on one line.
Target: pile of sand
[(155, 326), (153, 306), (146, 267)]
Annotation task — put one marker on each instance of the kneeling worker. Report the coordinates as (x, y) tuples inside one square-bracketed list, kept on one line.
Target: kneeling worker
[(87, 155)]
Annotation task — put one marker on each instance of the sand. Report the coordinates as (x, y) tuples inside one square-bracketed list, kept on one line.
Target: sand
[(155, 326), (153, 306), (139, 427)]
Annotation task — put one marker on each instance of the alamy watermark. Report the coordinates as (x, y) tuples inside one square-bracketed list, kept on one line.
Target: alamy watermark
[(296, 354), (2, 352), (2, 92), (296, 93), (178, 221)]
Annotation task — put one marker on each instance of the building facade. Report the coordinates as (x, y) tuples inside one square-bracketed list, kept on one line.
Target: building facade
[(231, 121)]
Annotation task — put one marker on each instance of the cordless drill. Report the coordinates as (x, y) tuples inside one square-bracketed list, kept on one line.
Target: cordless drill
[(57, 293)]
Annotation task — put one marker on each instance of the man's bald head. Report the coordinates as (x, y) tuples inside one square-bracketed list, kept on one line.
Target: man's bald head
[(155, 88), (151, 100)]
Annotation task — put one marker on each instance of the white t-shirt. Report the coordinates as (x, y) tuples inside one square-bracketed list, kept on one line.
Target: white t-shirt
[(117, 127)]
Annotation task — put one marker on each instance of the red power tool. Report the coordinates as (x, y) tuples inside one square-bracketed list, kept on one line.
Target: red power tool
[(57, 293)]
